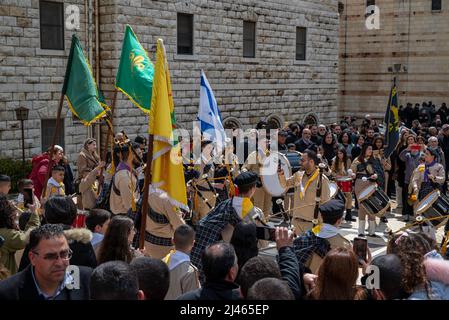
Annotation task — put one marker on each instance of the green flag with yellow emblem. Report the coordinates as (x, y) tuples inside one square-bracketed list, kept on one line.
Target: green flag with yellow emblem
[(135, 72)]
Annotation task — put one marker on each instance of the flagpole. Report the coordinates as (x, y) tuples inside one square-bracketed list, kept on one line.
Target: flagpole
[(108, 137), (53, 142), (146, 187)]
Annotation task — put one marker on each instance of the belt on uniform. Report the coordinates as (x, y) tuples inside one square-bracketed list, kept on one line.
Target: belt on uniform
[(157, 217), (159, 241)]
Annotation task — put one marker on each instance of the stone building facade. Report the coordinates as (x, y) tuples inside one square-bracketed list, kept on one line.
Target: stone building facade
[(273, 85), (411, 44)]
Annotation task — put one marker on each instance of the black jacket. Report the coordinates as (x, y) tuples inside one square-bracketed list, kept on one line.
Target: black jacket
[(288, 265), (302, 146), (21, 286), (79, 243), (220, 290)]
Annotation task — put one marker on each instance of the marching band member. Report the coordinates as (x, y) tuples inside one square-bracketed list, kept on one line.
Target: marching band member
[(124, 189), (220, 222), (254, 163), (312, 247), (341, 167), (367, 170), (163, 219), (378, 152), (306, 188), (87, 160), (228, 170), (429, 180), (205, 183)]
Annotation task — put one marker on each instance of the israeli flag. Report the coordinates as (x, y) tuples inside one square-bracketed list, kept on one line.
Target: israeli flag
[(209, 115)]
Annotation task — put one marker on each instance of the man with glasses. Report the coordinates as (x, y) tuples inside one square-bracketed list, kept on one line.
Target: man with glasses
[(49, 276)]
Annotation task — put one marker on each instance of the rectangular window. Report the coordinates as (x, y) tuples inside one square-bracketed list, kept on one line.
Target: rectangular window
[(185, 33), (436, 5), (48, 127), (301, 43), (51, 16), (249, 39)]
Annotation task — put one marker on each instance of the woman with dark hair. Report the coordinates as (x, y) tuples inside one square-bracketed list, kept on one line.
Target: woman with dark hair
[(345, 141), (14, 238), (418, 280), (244, 240), (88, 160), (430, 179), (339, 169), (329, 146), (357, 149), (116, 244), (399, 170), (378, 152), (367, 170), (337, 277)]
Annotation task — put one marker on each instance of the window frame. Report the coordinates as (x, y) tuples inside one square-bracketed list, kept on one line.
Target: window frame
[(192, 25), (46, 26), (60, 141), (303, 44), (254, 47)]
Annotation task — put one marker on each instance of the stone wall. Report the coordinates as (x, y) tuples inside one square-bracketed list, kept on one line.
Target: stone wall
[(272, 84), (410, 34)]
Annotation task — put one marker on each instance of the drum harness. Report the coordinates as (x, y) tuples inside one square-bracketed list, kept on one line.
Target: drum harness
[(319, 188)]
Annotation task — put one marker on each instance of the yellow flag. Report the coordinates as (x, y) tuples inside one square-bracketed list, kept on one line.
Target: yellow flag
[(167, 168)]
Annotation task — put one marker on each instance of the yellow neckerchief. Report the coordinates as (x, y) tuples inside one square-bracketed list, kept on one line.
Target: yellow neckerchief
[(302, 192), (246, 206), (317, 229), (421, 167), (167, 258)]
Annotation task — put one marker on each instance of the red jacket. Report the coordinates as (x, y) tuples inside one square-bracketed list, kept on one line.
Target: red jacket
[(38, 174)]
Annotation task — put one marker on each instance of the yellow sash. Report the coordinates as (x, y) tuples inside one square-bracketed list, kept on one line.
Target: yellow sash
[(313, 178)]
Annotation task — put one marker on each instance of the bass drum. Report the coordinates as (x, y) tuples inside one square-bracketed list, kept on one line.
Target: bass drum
[(294, 158), (269, 175)]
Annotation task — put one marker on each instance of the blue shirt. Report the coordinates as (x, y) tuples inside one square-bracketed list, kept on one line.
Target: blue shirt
[(67, 279), (96, 239)]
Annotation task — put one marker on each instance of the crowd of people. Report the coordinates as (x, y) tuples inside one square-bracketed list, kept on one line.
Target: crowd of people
[(75, 239)]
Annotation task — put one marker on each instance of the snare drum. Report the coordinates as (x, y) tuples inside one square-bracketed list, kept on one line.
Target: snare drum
[(434, 205), (374, 200), (80, 220), (269, 175), (345, 184)]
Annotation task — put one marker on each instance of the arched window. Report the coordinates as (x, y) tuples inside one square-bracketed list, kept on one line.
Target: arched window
[(232, 123), (310, 119), (274, 122)]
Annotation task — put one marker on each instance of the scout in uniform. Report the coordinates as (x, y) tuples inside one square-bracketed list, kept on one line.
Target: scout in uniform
[(55, 185), (220, 222), (161, 223), (312, 247), (306, 189), (254, 162), (124, 191), (205, 203)]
